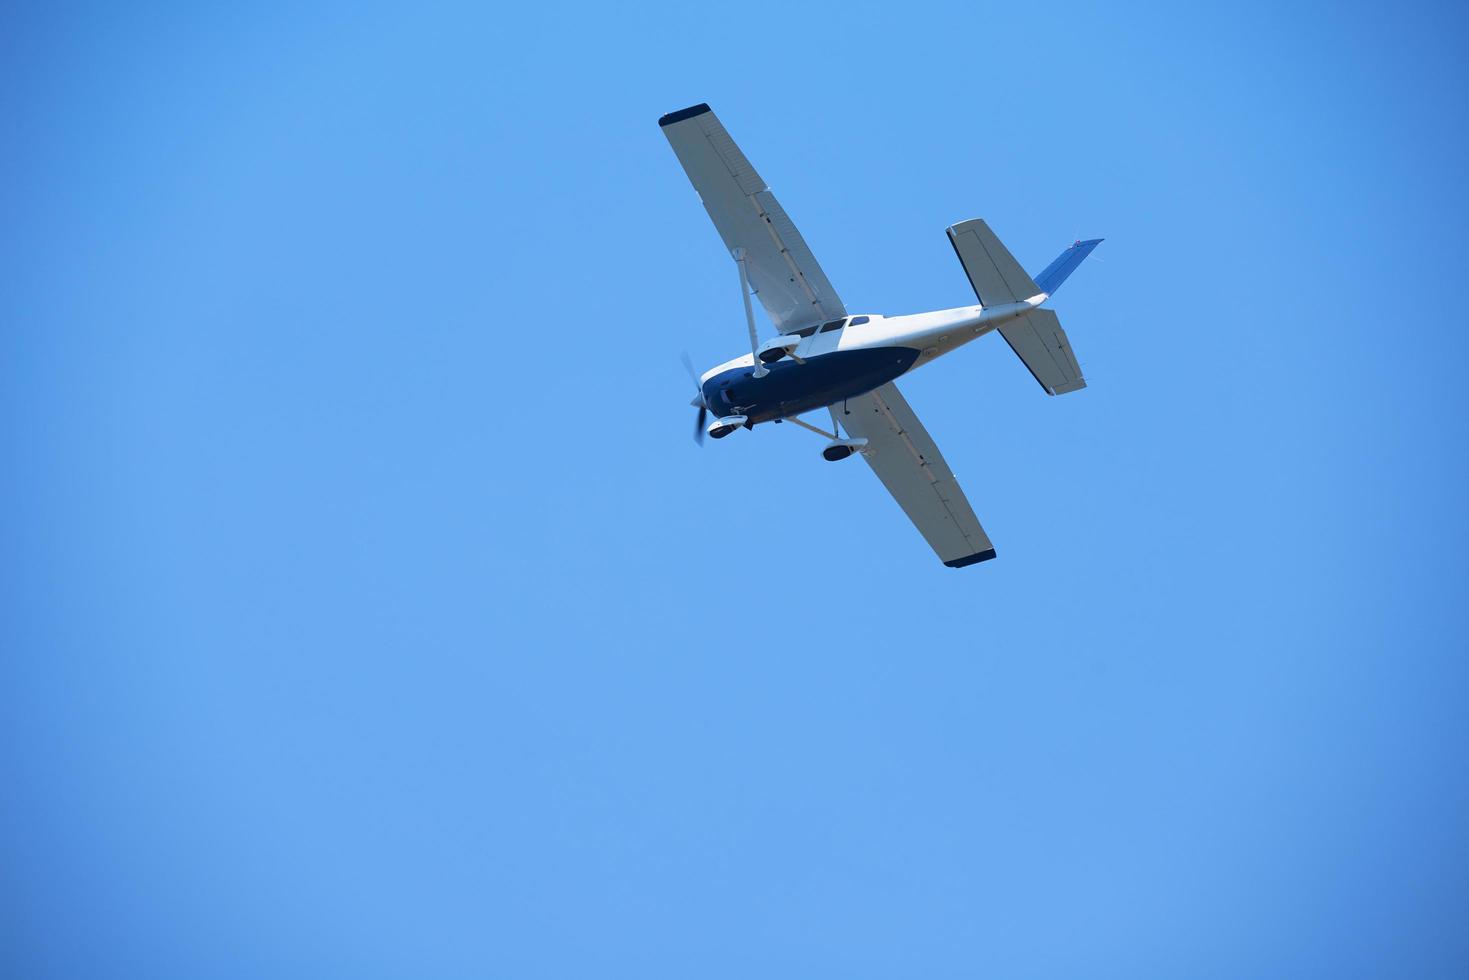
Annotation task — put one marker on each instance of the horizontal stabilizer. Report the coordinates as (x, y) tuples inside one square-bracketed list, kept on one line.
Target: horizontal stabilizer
[(1056, 273), (1038, 340), (993, 272)]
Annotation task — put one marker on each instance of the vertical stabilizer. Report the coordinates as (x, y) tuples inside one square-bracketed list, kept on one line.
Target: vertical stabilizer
[(1056, 273)]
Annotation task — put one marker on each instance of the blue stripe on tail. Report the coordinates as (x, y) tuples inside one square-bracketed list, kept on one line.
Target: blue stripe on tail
[(1056, 273)]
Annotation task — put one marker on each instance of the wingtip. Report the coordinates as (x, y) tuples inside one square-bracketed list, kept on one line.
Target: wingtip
[(973, 559), (682, 114)]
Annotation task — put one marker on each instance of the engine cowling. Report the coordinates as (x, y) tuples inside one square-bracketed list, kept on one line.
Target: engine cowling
[(777, 347)]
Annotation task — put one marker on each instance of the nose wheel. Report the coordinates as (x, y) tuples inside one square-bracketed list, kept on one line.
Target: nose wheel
[(720, 428)]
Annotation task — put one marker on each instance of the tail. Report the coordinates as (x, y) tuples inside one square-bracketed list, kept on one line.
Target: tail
[(1036, 338), (1058, 271)]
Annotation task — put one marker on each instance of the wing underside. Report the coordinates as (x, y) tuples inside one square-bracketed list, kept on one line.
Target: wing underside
[(906, 460), (784, 274)]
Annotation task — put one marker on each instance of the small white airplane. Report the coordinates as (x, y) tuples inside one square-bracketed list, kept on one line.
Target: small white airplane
[(823, 358)]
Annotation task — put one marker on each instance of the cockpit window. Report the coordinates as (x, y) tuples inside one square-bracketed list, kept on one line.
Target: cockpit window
[(857, 321), (831, 325), (805, 331)]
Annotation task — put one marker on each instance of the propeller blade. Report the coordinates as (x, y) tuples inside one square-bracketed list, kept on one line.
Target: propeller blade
[(688, 365), (698, 401)]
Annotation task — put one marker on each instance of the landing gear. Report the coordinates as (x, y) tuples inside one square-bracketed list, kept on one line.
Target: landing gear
[(841, 449), (777, 347), (720, 428), (838, 448)]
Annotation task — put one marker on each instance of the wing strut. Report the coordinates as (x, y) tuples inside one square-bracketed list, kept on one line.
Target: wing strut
[(739, 256), (807, 425)]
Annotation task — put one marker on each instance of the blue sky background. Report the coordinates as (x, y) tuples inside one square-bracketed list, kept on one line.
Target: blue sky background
[(368, 611)]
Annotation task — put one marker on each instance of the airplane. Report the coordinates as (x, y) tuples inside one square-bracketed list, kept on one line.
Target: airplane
[(822, 357)]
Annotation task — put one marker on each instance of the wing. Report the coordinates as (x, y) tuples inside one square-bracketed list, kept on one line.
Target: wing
[(787, 280), (904, 457)]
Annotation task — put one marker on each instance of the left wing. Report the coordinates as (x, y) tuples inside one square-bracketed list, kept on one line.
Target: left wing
[(904, 457), (787, 280)]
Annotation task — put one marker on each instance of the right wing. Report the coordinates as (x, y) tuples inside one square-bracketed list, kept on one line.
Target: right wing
[(904, 457), (787, 280)]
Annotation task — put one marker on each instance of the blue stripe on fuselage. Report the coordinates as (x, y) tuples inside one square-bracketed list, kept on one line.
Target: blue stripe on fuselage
[(792, 388)]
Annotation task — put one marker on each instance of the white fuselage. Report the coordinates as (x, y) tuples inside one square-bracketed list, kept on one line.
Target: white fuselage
[(846, 358)]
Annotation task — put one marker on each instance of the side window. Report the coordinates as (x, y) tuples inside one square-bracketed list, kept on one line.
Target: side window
[(806, 331), (857, 321), (831, 325)]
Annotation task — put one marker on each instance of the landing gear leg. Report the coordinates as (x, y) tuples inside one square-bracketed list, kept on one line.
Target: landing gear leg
[(840, 448), (837, 448)]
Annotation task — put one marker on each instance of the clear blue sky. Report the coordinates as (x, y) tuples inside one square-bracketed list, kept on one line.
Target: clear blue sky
[(368, 611)]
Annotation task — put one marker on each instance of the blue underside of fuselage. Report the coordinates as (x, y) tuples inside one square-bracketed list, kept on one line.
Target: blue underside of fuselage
[(791, 388)]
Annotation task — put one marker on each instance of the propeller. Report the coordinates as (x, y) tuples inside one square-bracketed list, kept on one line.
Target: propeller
[(698, 399)]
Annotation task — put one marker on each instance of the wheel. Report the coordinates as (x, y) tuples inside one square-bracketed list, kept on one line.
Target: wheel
[(833, 453)]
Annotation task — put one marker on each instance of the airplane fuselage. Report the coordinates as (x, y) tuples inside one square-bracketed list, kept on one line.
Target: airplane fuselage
[(844, 358)]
